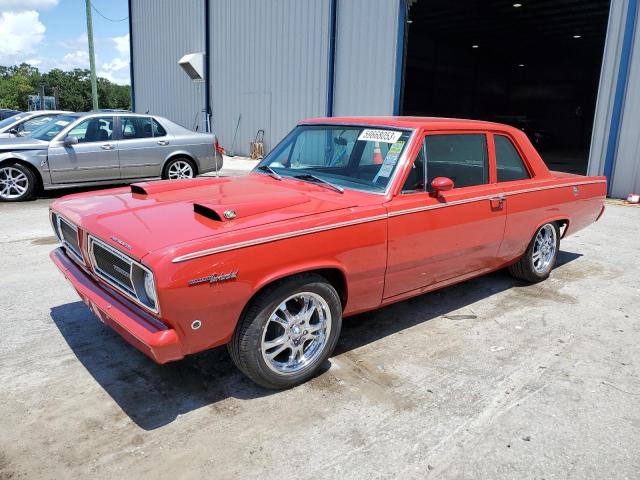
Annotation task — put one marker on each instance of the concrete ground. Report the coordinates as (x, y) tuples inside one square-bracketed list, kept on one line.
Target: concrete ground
[(490, 379)]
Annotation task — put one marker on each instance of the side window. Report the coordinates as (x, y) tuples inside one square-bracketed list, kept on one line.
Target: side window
[(415, 179), (158, 130), (460, 157), (136, 127), (508, 161), (97, 129)]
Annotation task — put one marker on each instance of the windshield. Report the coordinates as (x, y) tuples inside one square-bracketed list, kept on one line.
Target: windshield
[(49, 130), (9, 120), (362, 158)]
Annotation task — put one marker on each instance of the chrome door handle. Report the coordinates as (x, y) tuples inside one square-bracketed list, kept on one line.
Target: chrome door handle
[(107, 146), (163, 142), (498, 198)]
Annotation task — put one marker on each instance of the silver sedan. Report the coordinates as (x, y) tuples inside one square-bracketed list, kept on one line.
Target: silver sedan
[(102, 148)]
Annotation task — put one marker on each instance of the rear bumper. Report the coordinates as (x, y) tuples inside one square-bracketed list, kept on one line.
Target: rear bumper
[(160, 344)]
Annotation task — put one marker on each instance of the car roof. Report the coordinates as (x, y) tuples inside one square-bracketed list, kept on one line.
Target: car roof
[(433, 123)]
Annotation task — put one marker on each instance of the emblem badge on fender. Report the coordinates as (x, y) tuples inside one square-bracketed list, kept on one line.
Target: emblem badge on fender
[(229, 214), (121, 242), (215, 278)]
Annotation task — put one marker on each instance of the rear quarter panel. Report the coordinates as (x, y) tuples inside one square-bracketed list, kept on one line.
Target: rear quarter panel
[(531, 204)]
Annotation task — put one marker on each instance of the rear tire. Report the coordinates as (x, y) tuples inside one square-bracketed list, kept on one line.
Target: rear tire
[(179, 168), (540, 257), (17, 182), (287, 332)]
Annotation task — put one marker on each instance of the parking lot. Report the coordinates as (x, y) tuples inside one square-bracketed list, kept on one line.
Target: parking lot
[(492, 378)]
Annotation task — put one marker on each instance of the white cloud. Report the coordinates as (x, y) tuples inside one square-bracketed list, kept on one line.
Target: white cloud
[(77, 59), (21, 32), (22, 5), (75, 43), (122, 45), (117, 71)]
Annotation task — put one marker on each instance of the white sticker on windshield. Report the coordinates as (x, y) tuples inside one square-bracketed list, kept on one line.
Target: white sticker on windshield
[(62, 123), (386, 136)]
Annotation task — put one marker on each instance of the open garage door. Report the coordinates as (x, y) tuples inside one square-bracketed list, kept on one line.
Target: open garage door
[(534, 65)]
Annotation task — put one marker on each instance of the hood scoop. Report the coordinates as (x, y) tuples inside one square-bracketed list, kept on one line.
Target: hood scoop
[(149, 188), (249, 206)]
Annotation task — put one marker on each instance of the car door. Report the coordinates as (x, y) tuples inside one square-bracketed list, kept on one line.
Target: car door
[(93, 158), (434, 239), (144, 145)]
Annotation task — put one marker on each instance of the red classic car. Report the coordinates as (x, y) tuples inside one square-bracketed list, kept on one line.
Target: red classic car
[(345, 215)]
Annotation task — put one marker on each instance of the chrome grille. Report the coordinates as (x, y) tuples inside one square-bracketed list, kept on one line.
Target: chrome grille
[(111, 266), (121, 272), (69, 236)]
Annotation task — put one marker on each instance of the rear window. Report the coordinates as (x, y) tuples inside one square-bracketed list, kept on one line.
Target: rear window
[(508, 161)]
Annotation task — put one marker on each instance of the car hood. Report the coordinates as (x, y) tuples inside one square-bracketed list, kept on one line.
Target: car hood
[(22, 143), (146, 217)]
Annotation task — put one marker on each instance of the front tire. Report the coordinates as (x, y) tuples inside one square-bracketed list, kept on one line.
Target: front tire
[(17, 183), (540, 257), (287, 332)]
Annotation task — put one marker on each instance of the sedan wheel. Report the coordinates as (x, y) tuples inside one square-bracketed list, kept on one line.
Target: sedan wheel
[(179, 169), (16, 182)]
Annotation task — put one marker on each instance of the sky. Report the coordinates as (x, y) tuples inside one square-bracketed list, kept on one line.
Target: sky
[(53, 34)]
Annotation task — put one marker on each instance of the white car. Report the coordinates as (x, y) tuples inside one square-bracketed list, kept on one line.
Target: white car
[(24, 123)]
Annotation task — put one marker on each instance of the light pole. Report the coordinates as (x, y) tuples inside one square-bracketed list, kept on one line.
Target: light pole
[(92, 58)]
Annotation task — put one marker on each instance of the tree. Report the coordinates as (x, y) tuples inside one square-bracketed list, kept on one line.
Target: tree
[(73, 88)]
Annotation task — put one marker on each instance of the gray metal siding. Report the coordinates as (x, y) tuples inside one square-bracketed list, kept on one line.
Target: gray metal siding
[(626, 173), (163, 32), (626, 170), (366, 40), (268, 65)]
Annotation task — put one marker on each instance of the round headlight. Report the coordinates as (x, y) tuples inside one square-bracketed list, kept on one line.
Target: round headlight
[(149, 287)]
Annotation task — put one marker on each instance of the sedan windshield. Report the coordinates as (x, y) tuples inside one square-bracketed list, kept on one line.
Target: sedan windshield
[(49, 130), (9, 120), (362, 158)]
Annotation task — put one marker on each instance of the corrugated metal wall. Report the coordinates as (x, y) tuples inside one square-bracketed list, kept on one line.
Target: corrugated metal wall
[(626, 173), (366, 42), (268, 67), (162, 32), (626, 168)]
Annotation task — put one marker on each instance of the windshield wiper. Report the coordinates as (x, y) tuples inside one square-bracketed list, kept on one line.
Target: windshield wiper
[(269, 171), (313, 178)]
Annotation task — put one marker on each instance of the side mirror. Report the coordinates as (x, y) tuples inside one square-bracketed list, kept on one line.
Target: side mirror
[(69, 141), (441, 184), (14, 131)]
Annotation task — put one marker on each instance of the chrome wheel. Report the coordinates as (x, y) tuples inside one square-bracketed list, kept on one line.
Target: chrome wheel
[(180, 169), (296, 333), (544, 248), (13, 183)]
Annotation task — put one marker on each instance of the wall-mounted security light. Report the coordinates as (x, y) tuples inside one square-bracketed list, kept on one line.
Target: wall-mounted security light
[(193, 65)]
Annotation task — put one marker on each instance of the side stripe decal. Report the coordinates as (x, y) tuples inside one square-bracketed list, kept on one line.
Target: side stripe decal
[(348, 223)]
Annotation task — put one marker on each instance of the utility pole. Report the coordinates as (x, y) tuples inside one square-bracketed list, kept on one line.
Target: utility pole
[(92, 57)]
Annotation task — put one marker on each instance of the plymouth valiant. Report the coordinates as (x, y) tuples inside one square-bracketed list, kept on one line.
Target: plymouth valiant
[(345, 215)]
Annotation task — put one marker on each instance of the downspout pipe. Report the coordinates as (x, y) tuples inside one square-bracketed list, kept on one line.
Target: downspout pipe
[(207, 72), (331, 75), (400, 56), (131, 76)]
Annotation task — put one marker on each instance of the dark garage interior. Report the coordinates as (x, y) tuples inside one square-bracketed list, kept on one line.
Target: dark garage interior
[(534, 65)]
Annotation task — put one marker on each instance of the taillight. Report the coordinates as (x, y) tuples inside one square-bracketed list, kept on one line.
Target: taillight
[(219, 148)]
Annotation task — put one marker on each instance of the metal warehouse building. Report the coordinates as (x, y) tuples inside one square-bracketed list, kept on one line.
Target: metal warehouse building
[(565, 71)]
